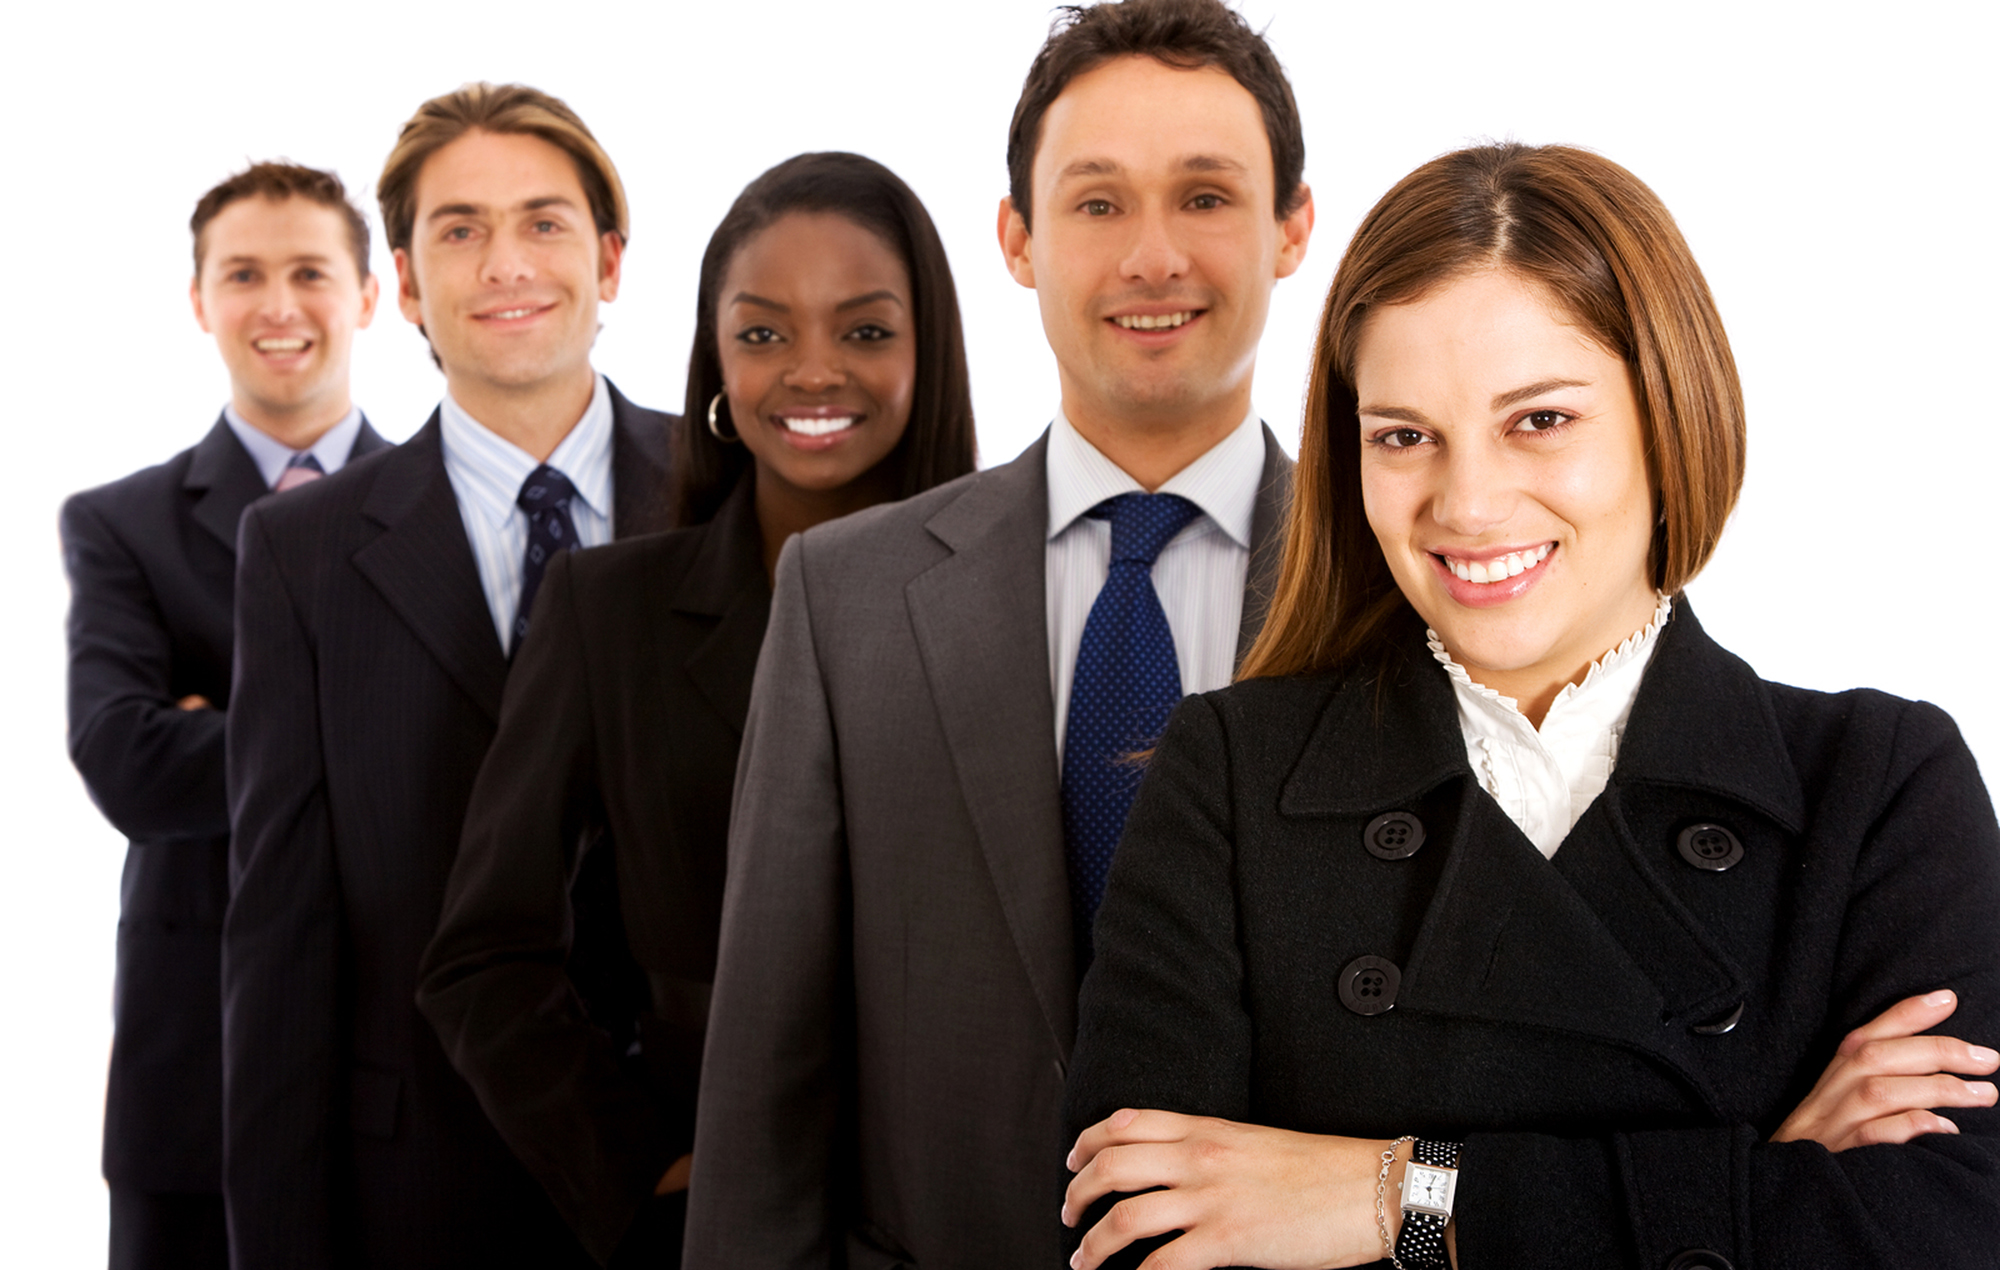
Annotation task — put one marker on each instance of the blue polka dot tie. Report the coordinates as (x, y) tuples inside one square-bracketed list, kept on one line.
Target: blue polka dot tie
[(545, 496), (1126, 683)]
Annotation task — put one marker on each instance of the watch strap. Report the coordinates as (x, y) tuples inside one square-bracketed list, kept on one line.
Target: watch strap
[(1420, 1243)]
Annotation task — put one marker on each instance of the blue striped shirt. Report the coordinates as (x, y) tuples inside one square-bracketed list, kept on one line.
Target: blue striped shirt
[(487, 472)]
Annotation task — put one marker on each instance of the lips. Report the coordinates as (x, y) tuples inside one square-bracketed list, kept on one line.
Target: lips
[(817, 425), (513, 312), (1496, 568), (1156, 321), (281, 344)]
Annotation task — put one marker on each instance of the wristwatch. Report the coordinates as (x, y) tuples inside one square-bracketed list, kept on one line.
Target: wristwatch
[(1430, 1182)]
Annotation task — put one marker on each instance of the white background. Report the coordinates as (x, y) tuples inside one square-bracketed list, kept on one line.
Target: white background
[(1831, 169)]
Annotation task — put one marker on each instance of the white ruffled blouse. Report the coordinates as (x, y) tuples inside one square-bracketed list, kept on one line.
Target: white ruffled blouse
[(1544, 780)]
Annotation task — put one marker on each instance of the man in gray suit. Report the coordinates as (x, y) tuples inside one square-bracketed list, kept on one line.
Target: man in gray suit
[(934, 769)]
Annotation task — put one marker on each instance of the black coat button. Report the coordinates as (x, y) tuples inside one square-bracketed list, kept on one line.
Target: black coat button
[(1393, 835), (1368, 985), (1699, 1259), (1709, 847)]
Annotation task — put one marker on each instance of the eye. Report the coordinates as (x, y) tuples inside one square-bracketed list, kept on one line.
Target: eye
[(1097, 207), (758, 335), (310, 275), (870, 332), (458, 233), (546, 227), (1399, 439), (1536, 421), (1205, 202), (241, 275)]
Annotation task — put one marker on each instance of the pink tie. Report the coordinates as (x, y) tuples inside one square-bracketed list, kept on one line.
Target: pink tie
[(302, 469)]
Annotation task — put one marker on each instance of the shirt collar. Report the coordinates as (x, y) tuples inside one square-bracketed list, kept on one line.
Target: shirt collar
[(1222, 482), (271, 455), (498, 467)]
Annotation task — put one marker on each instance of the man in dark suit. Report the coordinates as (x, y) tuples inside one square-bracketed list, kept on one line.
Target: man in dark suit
[(384, 606), (937, 759), (281, 280)]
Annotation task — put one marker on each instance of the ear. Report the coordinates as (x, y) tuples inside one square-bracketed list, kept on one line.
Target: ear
[(1293, 232), (610, 258), (194, 298), (1015, 244), (371, 291), (406, 287)]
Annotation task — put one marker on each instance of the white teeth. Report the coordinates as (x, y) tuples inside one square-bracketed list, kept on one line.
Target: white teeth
[(1153, 322), (509, 315), (818, 427), (281, 346), (1511, 565)]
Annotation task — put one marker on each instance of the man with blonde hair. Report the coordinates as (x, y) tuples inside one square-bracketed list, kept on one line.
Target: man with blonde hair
[(371, 661)]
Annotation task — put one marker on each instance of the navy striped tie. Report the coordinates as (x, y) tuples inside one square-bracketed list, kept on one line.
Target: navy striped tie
[(545, 496)]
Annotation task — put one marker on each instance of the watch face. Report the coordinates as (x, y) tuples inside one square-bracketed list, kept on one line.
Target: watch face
[(1428, 1188)]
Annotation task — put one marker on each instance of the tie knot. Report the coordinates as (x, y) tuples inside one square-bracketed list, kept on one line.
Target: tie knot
[(545, 488), (1143, 524), (299, 469)]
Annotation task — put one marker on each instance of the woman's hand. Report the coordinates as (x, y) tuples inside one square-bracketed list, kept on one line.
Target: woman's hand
[(1885, 1078), (1245, 1195)]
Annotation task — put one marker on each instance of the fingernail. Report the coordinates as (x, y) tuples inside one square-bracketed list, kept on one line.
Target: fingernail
[(1943, 996), (1075, 1258), (1949, 1127), (1069, 1161), (1980, 1054)]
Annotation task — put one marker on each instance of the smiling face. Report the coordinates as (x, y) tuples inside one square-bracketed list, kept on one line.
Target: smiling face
[(816, 335), (280, 291), (505, 267), (1503, 472), (1154, 248)]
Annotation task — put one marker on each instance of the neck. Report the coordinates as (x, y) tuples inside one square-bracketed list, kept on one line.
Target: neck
[(296, 427), (1152, 445), (534, 417), (784, 510)]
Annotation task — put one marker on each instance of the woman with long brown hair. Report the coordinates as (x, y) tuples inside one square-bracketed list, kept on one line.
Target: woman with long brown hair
[(1497, 916)]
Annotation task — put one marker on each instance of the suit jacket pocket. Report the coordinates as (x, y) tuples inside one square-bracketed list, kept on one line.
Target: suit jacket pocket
[(372, 1095)]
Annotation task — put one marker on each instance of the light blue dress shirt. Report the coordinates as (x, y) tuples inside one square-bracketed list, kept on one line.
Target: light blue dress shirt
[(487, 472), (271, 455)]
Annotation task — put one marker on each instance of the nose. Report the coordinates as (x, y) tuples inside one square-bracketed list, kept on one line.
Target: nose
[(505, 261), (1475, 492), (817, 364), (1154, 254), (280, 302)]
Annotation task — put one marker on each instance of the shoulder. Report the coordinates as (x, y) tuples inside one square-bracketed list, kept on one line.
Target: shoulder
[(1835, 734), (888, 541), (633, 567), (146, 490), (306, 515)]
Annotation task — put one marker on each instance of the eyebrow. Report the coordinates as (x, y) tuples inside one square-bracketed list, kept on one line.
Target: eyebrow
[(745, 297), (1512, 397), (304, 258), (474, 209), (1190, 163), (870, 298)]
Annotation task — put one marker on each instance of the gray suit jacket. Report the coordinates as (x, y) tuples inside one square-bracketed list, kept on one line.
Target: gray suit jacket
[(895, 996)]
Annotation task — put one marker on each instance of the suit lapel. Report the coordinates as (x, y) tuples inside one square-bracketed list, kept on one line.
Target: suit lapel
[(638, 469), (982, 633), (1267, 542), (422, 564), (223, 480), (366, 441), (727, 582)]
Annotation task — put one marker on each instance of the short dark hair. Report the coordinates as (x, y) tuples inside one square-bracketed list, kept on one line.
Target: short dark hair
[(278, 179), (507, 109), (939, 443), (1184, 34)]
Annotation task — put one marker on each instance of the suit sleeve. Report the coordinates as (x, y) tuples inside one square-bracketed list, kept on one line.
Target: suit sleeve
[(154, 769), (1161, 1021), (283, 1101), (774, 1071), (1924, 913), (495, 983)]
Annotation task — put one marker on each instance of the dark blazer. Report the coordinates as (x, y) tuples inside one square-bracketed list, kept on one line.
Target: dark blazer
[(1615, 1033), (620, 726), (369, 680), (152, 570), (895, 994)]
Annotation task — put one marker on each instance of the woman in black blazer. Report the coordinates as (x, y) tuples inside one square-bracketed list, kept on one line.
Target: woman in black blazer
[(569, 974), (1604, 950)]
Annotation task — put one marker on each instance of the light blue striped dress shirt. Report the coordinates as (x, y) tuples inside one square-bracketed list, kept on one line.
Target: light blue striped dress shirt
[(486, 474), (271, 455), (1199, 575)]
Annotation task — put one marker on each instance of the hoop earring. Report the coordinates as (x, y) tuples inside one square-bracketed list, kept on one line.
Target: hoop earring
[(714, 428)]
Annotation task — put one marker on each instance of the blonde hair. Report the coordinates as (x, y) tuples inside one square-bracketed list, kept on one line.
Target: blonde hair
[(505, 109), (1607, 250)]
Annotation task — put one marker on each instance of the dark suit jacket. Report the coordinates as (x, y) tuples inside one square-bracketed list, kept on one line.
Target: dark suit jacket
[(152, 569), (369, 679), (1566, 1017), (620, 726), (895, 995)]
